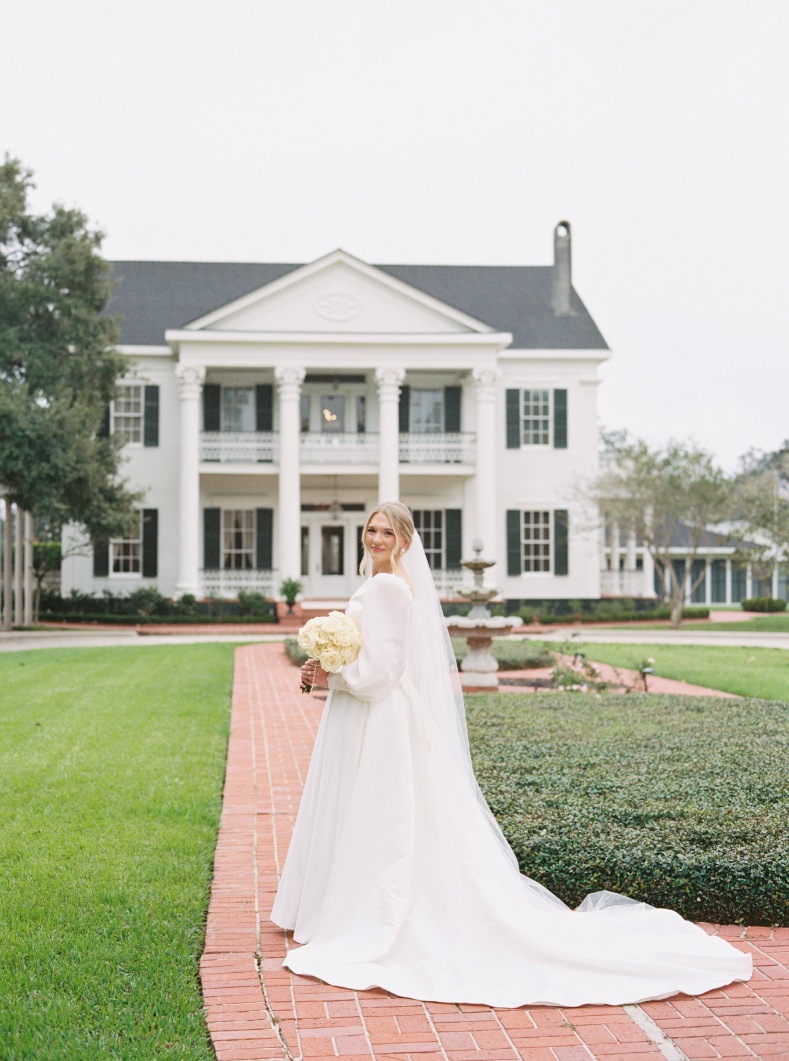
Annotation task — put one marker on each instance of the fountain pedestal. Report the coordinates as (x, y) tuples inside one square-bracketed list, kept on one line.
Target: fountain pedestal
[(479, 670)]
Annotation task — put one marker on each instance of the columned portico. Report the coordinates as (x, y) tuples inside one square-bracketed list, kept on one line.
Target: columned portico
[(190, 379), (289, 380), (485, 381), (389, 381)]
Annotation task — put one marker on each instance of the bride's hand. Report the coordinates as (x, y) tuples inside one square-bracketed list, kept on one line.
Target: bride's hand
[(312, 674)]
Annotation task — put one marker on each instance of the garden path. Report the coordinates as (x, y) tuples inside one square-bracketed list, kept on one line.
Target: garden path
[(257, 1010)]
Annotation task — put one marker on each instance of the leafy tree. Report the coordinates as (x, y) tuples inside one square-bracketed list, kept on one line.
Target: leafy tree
[(762, 517), (668, 498), (58, 365)]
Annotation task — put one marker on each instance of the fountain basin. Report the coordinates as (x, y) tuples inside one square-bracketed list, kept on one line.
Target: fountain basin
[(479, 670)]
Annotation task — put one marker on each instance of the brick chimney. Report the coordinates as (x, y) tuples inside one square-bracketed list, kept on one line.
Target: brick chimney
[(562, 270)]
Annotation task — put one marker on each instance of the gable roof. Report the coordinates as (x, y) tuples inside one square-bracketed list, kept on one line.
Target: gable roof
[(155, 296)]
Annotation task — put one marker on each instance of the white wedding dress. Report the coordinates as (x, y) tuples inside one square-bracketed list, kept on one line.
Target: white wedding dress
[(397, 876)]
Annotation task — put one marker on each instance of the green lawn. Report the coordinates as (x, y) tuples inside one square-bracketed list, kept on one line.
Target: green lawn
[(762, 672), (111, 769), (762, 624), (678, 801)]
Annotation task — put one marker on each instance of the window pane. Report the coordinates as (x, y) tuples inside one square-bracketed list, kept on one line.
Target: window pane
[(427, 411), (430, 525), (536, 418), (333, 413), (238, 409), (127, 552), (127, 409), (333, 542), (305, 412), (238, 539), (536, 541), (361, 414), (305, 550)]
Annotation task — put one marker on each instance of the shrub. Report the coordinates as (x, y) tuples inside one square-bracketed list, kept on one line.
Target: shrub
[(297, 656), (253, 603), (763, 604), (510, 655), (676, 801)]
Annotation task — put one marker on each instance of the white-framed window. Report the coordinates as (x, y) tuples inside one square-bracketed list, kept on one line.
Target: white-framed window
[(536, 418), (429, 523), (127, 412), (537, 541), (238, 539), (427, 411), (126, 553), (238, 409)]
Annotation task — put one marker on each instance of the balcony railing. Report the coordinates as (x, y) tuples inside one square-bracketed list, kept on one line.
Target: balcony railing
[(239, 447), (447, 447), (340, 448), (447, 582), (227, 583), (262, 447)]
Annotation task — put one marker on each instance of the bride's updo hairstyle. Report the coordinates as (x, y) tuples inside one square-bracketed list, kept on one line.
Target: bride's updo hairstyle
[(402, 525)]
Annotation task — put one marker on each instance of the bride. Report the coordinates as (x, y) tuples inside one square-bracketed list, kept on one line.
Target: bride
[(398, 876)]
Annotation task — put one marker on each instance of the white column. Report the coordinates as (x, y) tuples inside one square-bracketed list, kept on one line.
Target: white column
[(18, 561), (191, 385), (649, 574), (8, 573), (389, 380), (289, 379), (28, 572), (487, 522)]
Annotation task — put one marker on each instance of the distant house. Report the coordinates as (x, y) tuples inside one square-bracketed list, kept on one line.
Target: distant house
[(627, 570), (268, 406)]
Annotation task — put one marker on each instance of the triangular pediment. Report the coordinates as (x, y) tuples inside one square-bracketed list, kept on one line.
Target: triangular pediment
[(339, 294)]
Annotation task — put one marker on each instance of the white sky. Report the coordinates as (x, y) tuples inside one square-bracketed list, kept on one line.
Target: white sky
[(449, 131)]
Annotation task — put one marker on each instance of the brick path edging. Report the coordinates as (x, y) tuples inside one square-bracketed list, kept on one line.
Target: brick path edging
[(257, 1011)]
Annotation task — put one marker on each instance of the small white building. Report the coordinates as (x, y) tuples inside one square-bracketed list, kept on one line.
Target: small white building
[(268, 407)]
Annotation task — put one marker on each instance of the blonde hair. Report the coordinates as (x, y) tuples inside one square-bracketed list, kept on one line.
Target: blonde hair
[(402, 524)]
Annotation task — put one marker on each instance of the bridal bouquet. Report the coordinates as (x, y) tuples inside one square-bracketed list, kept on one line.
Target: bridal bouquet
[(333, 640)]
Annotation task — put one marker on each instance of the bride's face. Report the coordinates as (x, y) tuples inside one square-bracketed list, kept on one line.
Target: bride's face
[(380, 539)]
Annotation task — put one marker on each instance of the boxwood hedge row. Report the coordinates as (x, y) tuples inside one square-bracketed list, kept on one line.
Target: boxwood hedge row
[(681, 802)]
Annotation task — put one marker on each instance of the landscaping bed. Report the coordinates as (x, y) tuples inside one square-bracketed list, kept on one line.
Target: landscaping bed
[(111, 775), (675, 801)]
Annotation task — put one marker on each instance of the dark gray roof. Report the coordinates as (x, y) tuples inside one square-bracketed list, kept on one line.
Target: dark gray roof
[(154, 296)]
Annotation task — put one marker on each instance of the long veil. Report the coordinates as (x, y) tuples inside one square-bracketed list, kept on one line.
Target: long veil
[(433, 671)]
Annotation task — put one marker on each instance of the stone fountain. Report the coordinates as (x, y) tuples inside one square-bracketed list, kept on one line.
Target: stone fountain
[(479, 670)]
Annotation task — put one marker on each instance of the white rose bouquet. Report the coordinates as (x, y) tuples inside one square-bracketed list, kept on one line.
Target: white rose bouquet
[(333, 640)]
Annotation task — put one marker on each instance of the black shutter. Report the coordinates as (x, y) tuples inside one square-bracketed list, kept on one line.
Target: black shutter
[(212, 398), (101, 559), (560, 542), (150, 540), (560, 419), (452, 408), (405, 410), (513, 420), (264, 407), (151, 421), (264, 525), (104, 426), (211, 538), (514, 542), (453, 523)]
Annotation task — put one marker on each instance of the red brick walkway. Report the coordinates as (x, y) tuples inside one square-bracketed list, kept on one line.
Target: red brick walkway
[(257, 1010)]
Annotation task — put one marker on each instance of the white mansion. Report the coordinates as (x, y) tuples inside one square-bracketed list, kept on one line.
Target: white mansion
[(267, 407)]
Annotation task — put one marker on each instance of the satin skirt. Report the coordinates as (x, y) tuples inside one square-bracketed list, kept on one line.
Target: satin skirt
[(395, 879)]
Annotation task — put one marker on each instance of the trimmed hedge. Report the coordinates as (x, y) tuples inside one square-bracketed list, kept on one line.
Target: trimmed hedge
[(510, 655), (137, 619), (763, 604), (680, 802), (546, 618)]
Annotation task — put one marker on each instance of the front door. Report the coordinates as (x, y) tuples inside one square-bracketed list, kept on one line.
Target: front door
[(329, 555)]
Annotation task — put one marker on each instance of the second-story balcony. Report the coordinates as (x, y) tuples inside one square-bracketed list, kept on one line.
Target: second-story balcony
[(352, 448)]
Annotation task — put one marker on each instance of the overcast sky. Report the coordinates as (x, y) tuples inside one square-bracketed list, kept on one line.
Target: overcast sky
[(456, 132)]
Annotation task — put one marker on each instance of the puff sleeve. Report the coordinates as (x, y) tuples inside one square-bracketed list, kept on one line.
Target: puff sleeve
[(382, 659)]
